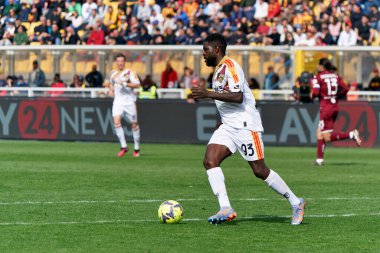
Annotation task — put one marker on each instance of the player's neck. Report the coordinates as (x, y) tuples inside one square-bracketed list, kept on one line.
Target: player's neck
[(220, 59)]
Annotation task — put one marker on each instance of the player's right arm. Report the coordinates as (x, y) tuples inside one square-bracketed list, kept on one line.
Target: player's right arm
[(316, 87), (200, 92)]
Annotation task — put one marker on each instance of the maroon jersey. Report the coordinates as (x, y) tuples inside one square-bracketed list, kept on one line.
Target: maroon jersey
[(328, 87)]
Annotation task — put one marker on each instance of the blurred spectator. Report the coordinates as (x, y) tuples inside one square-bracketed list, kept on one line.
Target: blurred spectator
[(110, 19), (187, 78), (94, 78), (374, 84), (364, 32), (374, 17), (40, 31), (71, 37), (144, 37), (20, 38), (148, 89), (212, 8), (8, 83), (87, 8), (271, 79), (326, 36), (74, 6), (143, 10), (334, 29), (57, 83), (309, 40), (274, 9), (12, 4), (102, 9), (24, 13), (55, 36), (169, 77), (273, 38), (96, 36), (347, 37), (115, 38), (261, 9), (76, 20), (238, 38), (78, 82), (92, 18), (288, 40), (255, 87), (36, 76), (302, 88), (20, 82), (353, 97)]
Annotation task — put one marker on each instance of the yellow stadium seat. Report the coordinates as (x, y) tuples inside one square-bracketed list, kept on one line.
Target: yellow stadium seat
[(32, 26), (26, 25)]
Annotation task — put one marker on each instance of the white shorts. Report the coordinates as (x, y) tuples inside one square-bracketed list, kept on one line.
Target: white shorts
[(249, 143), (127, 110)]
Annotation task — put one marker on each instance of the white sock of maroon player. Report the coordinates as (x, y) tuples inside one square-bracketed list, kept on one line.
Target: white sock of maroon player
[(275, 182), (216, 179), (136, 137), (339, 136), (120, 134)]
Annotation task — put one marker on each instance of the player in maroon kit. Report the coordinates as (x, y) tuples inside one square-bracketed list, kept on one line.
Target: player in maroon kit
[(329, 88)]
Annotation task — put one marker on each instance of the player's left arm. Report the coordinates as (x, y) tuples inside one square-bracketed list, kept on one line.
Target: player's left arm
[(133, 81), (342, 88), (316, 87)]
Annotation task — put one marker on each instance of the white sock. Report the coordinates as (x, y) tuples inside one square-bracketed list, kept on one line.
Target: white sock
[(120, 134), (136, 137), (216, 179), (351, 135), (275, 182)]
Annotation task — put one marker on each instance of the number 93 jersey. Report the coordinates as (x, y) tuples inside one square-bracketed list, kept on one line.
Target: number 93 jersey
[(229, 77), (248, 142)]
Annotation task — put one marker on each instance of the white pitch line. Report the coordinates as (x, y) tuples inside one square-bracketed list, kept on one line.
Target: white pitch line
[(161, 200), (347, 215)]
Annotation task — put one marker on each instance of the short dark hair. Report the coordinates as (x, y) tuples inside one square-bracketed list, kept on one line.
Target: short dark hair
[(120, 55), (217, 40)]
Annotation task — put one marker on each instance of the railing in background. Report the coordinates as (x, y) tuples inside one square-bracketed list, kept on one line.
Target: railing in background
[(286, 95)]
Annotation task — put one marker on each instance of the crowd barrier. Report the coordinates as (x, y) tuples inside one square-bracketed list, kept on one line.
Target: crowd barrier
[(168, 93), (286, 123)]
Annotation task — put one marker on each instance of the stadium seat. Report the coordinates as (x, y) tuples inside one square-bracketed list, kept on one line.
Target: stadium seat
[(32, 26), (26, 25)]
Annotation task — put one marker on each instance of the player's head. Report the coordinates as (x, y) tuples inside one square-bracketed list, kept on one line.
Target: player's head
[(214, 48), (120, 61), (325, 64)]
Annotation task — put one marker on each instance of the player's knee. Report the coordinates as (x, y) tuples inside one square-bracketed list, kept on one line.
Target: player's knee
[(135, 126), (117, 124), (209, 163), (260, 170)]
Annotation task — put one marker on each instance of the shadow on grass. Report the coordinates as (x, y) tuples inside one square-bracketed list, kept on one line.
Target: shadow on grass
[(345, 164), (265, 218)]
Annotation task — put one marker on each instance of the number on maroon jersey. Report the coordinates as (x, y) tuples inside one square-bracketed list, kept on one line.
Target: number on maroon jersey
[(332, 86)]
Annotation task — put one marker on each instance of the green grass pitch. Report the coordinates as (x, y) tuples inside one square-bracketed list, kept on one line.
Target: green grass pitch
[(80, 197)]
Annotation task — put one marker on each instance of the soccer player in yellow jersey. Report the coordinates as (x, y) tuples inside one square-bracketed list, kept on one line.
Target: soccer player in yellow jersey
[(241, 130), (123, 82)]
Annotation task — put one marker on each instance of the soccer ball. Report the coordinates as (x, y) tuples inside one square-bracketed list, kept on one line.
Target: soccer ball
[(170, 212)]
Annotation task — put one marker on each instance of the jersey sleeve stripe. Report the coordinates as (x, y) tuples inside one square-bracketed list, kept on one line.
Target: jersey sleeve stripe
[(231, 68), (257, 143)]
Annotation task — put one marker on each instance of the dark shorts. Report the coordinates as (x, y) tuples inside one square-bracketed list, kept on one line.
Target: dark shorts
[(327, 119)]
